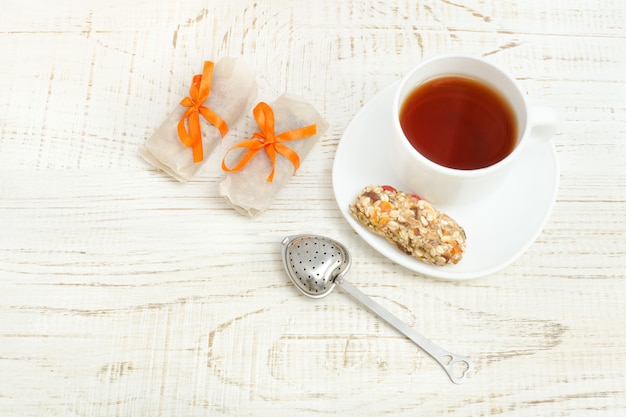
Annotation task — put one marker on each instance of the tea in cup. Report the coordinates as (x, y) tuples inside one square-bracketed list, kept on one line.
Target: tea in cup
[(459, 124)]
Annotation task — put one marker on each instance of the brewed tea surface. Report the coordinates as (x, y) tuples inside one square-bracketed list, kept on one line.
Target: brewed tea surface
[(459, 122)]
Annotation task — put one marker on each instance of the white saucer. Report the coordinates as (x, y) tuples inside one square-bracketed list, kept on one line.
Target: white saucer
[(499, 227)]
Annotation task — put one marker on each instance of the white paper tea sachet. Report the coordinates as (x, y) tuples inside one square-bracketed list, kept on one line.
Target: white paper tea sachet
[(217, 99), (258, 168)]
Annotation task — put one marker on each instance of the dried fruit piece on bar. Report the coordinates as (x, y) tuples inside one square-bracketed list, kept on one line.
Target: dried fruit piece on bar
[(412, 224)]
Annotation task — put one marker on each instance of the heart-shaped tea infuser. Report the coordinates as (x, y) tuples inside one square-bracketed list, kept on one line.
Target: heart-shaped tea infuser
[(316, 264)]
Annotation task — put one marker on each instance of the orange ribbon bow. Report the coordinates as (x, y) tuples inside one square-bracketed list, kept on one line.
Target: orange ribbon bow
[(199, 92), (266, 139)]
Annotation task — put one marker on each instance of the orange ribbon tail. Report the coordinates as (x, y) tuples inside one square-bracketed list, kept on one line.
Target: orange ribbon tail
[(268, 140), (198, 93)]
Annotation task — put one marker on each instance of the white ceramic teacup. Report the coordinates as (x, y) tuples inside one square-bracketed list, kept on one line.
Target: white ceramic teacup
[(442, 185)]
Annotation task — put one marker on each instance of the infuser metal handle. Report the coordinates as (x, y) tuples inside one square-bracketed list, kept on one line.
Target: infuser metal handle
[(457, 367)]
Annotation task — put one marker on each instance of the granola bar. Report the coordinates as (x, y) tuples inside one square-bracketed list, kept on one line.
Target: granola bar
[(412, 224)]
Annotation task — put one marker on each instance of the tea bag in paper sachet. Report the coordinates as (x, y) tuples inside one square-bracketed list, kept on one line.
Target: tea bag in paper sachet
[(258, 168), (217, 99)]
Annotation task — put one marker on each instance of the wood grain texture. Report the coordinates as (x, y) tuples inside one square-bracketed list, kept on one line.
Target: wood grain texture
[(126, 293)]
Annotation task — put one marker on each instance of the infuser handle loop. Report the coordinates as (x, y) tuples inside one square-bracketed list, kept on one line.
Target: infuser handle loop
[(457, 367)]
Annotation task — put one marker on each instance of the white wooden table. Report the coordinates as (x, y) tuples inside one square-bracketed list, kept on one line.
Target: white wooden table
[(126, 293)]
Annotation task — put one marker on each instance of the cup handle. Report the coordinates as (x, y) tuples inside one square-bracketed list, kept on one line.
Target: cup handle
[(543, 122)]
